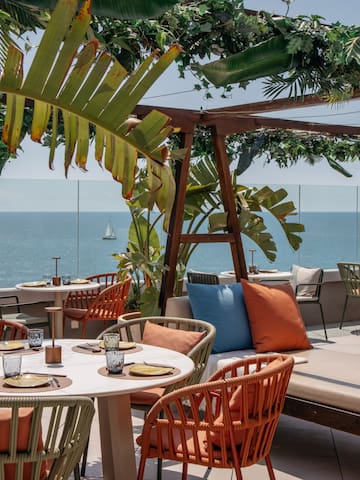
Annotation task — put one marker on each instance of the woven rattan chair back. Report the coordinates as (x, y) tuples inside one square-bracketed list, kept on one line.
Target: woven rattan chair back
[(202, 424), (350, 275), (45, 436)]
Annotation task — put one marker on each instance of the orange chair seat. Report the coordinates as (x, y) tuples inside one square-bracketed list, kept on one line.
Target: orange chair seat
[(147, 397), (75, 313)]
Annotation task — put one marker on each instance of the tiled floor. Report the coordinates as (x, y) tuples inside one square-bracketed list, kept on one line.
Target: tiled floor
[(301, 450)]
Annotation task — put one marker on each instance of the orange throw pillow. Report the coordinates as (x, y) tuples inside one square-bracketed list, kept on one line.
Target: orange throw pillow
[(274, 317), (25, 417), (181, 341)]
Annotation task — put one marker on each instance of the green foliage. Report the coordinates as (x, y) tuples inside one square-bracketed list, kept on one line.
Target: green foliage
[(286, 148)]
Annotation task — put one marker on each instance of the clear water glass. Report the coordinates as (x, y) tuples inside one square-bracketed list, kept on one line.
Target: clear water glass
[(11, 365), (111, 341), (35, 337), (114, 361)]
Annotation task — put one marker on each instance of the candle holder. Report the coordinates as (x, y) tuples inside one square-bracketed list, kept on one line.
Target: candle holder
[(253, 268), (56, 281), (53, 352)]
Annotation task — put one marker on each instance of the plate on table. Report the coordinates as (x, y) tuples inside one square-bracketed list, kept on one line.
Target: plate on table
[(11, 345), (34, 284), (274, 270), (27, 380), (79, 281), (122, 345), (142, 370)]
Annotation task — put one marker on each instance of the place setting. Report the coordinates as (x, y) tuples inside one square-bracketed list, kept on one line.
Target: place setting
[(109, 341), (14, 379), (31, 346), (116, 366)]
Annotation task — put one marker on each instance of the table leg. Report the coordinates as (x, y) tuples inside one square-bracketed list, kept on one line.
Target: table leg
[(59, 332), (116, 435)]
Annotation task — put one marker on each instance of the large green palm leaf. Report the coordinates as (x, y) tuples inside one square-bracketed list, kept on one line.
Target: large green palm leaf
[(89, 87)]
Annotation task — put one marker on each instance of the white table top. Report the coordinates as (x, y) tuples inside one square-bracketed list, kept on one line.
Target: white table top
[(61, 288), (82, 369)]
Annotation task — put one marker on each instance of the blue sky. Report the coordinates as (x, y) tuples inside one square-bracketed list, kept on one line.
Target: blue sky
[(169, 90)]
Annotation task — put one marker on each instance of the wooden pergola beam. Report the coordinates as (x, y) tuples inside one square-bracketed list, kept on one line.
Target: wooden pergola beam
[(231, 122)]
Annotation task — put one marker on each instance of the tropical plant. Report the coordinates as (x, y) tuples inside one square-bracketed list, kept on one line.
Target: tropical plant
[(203, 209), (93, 89), (143, 258)]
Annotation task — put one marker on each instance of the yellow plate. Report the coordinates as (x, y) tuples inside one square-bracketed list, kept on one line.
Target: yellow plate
[(34, 284), (27, 380), (122, 345), (11, 345), (148, 370), (79, 281)]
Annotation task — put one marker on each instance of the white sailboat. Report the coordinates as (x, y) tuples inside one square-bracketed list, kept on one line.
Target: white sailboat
[(109, 232)]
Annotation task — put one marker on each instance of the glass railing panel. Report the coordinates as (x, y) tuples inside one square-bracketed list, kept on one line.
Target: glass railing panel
[(34, 228), (41, 219), (330, 216)]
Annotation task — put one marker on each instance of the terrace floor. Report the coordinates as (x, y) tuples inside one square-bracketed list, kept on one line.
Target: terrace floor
[(301, 450)]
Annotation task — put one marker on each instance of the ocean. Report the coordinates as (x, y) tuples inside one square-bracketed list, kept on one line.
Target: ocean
[(29, 241)]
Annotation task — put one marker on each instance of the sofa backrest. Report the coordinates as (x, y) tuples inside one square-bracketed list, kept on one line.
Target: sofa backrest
[(178, 307)]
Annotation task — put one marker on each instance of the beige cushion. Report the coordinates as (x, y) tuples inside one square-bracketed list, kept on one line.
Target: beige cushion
[(301, 275), (178, 307)]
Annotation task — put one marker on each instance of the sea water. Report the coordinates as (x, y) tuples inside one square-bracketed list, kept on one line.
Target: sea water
[(29, 241)]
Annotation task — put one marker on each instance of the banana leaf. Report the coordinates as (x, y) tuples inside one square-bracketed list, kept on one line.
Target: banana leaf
[(89, 87), (266, 58), (123, 9)]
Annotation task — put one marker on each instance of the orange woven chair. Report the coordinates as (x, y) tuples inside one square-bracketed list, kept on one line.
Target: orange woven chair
[(227, 422), (12, 330), (82, 298), (106, 305)]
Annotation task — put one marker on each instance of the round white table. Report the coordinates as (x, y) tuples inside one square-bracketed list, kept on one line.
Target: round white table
[(113, 395), (59, 293)]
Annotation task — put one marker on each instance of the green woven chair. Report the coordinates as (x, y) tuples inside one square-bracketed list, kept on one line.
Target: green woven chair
[(350, 275), (43, 437)]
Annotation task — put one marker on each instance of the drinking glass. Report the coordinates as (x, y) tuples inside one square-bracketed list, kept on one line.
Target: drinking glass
[(66, 279), (47, 278), (35, 337), (11, 365), (111, 341), (114, 361)]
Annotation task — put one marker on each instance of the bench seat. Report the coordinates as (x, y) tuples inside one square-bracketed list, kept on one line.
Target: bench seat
[(325, 383)]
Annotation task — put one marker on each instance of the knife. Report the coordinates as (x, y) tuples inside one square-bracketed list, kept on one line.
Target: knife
[(88, 347)]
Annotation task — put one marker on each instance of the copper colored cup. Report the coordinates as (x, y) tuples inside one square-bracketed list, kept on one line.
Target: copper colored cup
[(53, 354)]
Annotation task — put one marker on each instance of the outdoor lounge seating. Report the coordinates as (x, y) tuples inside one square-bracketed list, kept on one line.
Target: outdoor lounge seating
[(227, 422), (324, 386)]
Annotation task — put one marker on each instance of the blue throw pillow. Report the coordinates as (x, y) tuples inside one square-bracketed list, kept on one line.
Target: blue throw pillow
[(224, 307)]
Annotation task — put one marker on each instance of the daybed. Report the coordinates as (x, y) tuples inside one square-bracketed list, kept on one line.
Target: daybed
[(325, 384)]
